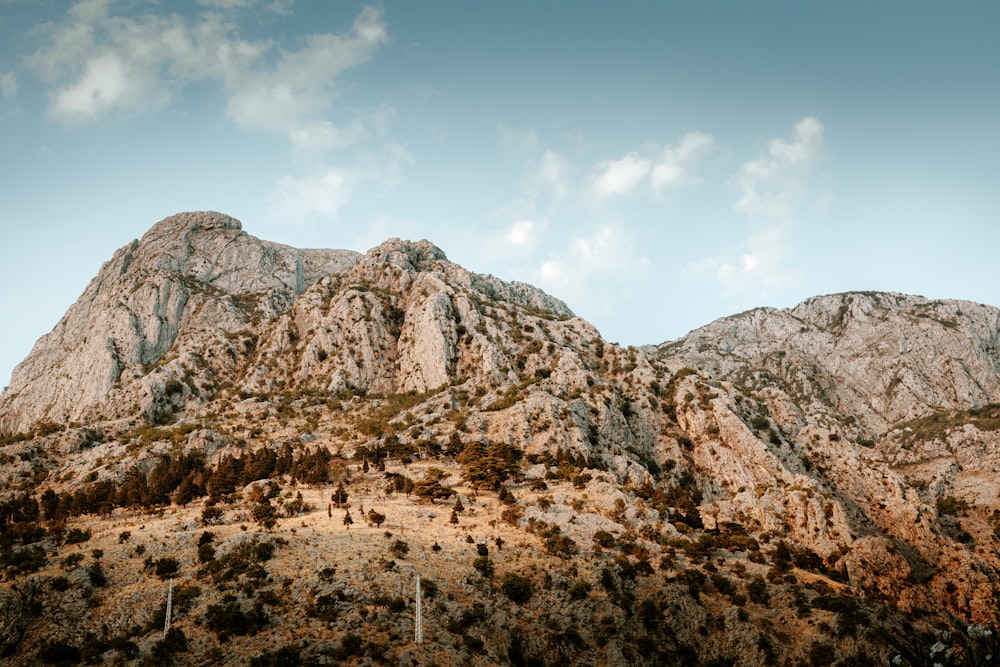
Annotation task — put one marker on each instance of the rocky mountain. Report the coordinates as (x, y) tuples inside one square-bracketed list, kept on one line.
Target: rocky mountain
[(816, 485)]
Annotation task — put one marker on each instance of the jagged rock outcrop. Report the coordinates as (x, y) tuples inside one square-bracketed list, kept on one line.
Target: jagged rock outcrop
[(879, 357), (827, 396), (12, 620), (198, 301), (858, 432), (192, 275)]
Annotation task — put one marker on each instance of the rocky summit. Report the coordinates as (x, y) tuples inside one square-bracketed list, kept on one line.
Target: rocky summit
[(231, 451)]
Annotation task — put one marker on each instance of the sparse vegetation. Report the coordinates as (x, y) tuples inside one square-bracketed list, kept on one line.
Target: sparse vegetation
[(552, 508)]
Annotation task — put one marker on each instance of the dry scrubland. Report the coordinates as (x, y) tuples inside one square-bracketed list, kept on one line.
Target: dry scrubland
[(340, 594), (810, 486)]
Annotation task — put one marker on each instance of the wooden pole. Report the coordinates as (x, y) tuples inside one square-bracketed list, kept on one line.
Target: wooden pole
[(418, 622), (170, 608)]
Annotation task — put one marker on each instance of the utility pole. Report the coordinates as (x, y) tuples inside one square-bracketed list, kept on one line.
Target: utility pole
[(170, 608), (418, 621)]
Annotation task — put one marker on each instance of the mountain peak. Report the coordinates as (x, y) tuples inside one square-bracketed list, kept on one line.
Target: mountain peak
[(194, 221), (804, 457), (418, 255)]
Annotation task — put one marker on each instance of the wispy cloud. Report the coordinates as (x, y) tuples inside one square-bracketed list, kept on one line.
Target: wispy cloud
[(776, 184), (522, 233), (8, 85), (614, 178), (674, 166), (314, 137), (773, 189), (591, 266), (649, 172), (760, 269), (322, 192), (552, 175), (98, 62), (299, 87)]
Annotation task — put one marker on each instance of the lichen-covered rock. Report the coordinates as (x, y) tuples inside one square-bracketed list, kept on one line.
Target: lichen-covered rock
[(12, 620), (856, 427), (879, 357), (173, 295)]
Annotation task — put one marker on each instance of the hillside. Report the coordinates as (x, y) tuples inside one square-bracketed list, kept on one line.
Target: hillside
[(815, 485)]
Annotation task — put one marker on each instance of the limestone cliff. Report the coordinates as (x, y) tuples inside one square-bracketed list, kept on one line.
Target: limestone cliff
[(191, 276), (855, 436)]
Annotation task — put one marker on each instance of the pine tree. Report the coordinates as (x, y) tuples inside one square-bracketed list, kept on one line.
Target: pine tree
[(347, 519), (339, 496)]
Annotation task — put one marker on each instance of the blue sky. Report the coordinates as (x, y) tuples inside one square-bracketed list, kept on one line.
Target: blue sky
[(654, 164)]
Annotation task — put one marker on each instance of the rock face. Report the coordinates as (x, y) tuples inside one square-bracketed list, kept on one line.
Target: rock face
[(842, 422), (193, 275), (860, 428), (880, 357)]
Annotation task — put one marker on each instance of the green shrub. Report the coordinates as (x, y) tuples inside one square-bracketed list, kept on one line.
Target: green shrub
[(174, 642), (483, 566), (96, 574), (580, 590), (166, 567), (324, 608), (517, 588), (952, 506), (604, 538), (757, 591), (206, 553), (28, 559), (76, 536), (399, 549), (228, 618), (287, 656), (59, 653), (821, 654)]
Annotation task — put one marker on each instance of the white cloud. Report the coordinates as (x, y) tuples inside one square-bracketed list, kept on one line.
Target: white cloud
[(615, 178), (672, 169), (777, 183), (316, 136), (590, 267), (522, 232), (300, 85), (324, 191), (97, 63), (227, 4), (553, 174), (8, 85), (321, 193), (619, 177), (101, 87), (274, 6), (761, 269), (775, 186)]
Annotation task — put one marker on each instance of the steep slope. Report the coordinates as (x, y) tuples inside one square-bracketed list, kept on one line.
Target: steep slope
[(757, 492), (879, 357), (832, 391), (191, 275)]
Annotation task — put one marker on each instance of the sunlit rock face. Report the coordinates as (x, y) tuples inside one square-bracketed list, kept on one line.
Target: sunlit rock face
[(850, 426)]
